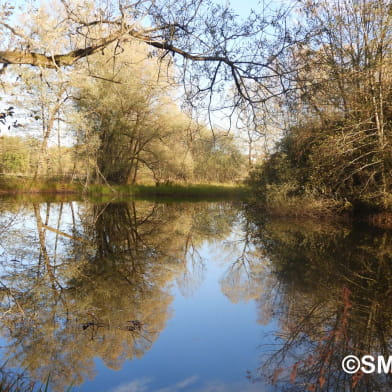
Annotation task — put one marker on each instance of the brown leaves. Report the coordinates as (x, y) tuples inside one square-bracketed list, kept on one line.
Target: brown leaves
[(277, 373), (293, 374)]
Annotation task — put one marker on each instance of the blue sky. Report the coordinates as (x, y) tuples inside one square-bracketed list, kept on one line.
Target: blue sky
[(244, 6)]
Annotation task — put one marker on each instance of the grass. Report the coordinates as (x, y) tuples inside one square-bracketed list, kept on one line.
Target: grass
[(190, 191), (23, 188), (15, 185)]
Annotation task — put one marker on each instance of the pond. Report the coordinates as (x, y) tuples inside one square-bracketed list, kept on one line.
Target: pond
[(146, 296)]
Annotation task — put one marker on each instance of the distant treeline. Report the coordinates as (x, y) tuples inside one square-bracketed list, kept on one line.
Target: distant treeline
[(19, 156), (208, 161)]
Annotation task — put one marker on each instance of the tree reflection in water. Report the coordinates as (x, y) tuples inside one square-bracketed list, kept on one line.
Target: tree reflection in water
[(334, 299), (94, 281), (82, 280)]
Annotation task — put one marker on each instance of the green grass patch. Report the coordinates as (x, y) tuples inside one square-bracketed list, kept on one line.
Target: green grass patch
[(171, 192), (25, 188), (15, 185)]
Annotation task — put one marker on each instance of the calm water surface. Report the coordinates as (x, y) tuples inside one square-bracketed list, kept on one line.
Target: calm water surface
[(142, 296)]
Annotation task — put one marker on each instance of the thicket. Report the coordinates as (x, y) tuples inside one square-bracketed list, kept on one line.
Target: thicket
[(338, 142)]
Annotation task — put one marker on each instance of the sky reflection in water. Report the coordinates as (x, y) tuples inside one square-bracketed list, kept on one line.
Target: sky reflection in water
[(199, 297)]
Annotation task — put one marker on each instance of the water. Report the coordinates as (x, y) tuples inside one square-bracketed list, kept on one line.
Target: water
[(144, 296)]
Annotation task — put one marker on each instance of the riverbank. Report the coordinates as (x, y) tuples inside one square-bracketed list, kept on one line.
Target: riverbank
[(272, 204), (303, 208), (13, 187)]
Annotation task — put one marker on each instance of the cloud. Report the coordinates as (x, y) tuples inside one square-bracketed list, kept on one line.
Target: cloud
[(179, 385), (188, 384), (138, 385), (221, 386)]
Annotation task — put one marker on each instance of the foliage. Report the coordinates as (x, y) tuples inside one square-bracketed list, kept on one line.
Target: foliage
[(14, 155), (132, 126), (325, 78), (219, 61), (217, 159), (21, 155), (338, 143)]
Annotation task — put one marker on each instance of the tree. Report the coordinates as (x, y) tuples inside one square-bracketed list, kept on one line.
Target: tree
[(44, 95), (121, 106), (131, 122), (14, 155), (217, 158), (337, 142), (210, 45), (345, 85)]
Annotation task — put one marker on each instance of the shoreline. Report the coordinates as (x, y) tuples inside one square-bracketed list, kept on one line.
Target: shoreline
[(300, 209), (172, 191)]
